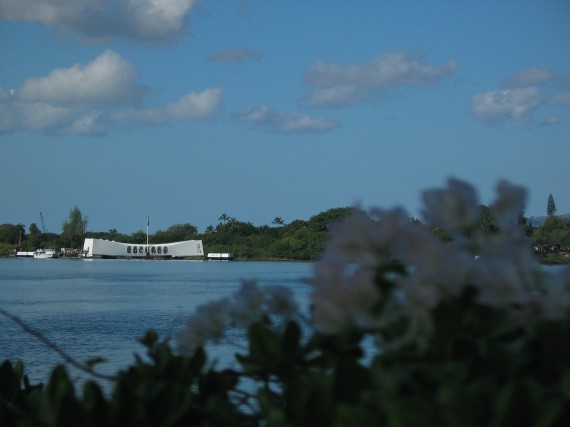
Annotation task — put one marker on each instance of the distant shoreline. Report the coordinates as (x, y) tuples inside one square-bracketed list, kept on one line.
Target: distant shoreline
[(562, 259)]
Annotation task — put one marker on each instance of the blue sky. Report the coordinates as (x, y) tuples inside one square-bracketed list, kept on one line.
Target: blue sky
[(187, 109)]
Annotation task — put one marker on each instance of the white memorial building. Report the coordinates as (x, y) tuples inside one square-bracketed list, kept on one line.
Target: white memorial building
[(99, 248)]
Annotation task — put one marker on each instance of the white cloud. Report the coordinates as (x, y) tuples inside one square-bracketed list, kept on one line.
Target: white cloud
[(387, 70), (334, 85), (34, 116), (192, 106), (550, 121), (108, 79), (89, 99), (253, 114), (525, 92), (536, 76), (7, 116), (273, 121), (236, 55), (530, 77), (561, 99), (101, 20), (496, 105), (338, 96), (88, 124)]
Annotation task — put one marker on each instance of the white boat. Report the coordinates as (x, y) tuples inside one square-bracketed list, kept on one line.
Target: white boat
[(24, 254), (226, 256), (45, 254)]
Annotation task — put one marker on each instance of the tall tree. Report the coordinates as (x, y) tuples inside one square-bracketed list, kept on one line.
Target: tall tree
[(550, 206), (34, 229), (8, 234), (73, 230), (34, 239), (486, 222)]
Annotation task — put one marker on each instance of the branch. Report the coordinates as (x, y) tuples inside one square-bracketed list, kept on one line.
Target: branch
[(37, 334)]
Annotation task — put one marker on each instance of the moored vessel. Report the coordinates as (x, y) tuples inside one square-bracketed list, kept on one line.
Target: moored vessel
[(221, 256), (45, 254)]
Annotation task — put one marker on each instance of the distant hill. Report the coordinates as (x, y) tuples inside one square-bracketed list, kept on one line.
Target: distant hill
[(536, 221)]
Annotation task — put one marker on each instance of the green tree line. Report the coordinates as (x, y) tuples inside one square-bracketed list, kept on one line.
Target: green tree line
[(297, 240)]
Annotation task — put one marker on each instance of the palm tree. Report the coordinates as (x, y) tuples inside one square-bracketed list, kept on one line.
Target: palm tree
[(34, 230), (278, 220), (20, 229), (224, 218)]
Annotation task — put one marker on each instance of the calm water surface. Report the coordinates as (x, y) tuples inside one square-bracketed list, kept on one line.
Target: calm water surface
[(101, 307)]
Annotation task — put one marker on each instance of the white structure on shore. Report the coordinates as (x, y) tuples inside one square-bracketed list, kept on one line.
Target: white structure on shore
[(216, 256), (99, 248)]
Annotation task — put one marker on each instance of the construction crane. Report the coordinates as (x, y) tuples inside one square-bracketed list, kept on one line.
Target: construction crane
[(43, 224)]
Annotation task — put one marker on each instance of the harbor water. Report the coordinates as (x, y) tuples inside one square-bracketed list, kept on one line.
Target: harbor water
[(100, 308)]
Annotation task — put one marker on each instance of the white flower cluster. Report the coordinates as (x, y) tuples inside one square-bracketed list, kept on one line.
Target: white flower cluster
[(246, 306), (500, 265), (346, 289)]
